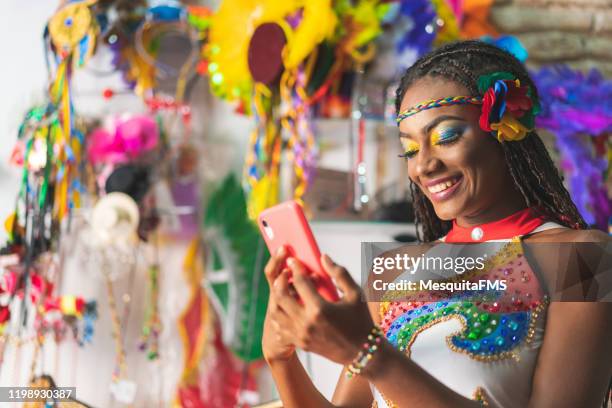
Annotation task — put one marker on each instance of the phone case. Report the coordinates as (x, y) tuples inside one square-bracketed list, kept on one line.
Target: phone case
[(285, 224)]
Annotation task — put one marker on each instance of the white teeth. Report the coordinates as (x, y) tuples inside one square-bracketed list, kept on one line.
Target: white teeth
[(441, 186)]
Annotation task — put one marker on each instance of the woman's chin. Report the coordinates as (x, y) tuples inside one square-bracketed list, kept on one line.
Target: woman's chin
[(449, 210)]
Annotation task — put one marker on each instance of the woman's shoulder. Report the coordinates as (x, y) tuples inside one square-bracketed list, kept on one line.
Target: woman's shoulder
[(574, 263), (563, 234)]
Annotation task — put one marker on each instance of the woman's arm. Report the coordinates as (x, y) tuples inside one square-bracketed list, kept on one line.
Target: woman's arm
[(297, 390), (292, 381), (573, 369), (338, 330), (405, 383), (575, 362), (295, 386)]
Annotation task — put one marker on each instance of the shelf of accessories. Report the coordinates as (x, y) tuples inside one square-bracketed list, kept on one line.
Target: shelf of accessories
[(382, 172)]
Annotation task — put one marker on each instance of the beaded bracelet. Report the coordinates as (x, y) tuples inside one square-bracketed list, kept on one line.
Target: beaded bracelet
[(365, 355)]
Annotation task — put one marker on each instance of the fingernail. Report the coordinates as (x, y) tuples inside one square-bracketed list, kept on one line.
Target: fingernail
[(280, 251), (290, 261)]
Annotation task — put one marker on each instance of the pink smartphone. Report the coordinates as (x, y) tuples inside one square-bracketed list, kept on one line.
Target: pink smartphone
[(285, 225)]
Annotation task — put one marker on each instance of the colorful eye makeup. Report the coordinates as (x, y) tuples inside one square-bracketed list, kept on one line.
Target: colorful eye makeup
[(411, 148), (447, 134), (443, 135)]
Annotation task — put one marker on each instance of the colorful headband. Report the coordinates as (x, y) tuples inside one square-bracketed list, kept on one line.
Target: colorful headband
[(508, 108), (436, 103)]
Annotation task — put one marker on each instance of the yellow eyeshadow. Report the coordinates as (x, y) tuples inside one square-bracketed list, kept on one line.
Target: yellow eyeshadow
[(435, 138), (410, 146)]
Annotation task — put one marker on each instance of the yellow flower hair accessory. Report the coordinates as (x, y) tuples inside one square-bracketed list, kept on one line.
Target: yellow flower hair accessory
[(509, 129)]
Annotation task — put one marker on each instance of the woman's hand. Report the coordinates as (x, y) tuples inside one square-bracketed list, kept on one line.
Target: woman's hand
[(336, 330), (276, 343)]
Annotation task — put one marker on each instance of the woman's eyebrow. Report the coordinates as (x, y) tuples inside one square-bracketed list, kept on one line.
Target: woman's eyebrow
[(403, 135), (435, 122)]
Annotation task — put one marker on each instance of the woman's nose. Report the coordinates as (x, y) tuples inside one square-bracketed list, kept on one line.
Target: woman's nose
[(426, 163)]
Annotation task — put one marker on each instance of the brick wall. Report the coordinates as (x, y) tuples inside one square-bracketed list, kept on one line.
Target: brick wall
[(578, 32)]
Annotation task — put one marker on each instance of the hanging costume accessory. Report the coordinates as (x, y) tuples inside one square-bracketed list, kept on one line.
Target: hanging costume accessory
[(508, 108), (365, 355), (71, 37)]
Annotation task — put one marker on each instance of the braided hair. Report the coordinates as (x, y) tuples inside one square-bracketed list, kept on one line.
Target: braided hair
[(530, 165)]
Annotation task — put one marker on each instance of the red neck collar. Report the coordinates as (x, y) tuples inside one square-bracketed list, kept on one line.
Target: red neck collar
[(520, 223)]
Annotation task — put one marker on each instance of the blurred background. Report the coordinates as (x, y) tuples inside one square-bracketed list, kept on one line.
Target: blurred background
[(142, 138)]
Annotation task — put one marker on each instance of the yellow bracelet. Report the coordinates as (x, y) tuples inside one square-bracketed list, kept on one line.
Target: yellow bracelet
[(364, 356)]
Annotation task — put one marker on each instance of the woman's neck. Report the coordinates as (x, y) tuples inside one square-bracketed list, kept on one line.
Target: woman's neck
[(501, 210)]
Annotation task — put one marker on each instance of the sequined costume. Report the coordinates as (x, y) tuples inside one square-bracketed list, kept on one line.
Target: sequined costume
[(483, 350)]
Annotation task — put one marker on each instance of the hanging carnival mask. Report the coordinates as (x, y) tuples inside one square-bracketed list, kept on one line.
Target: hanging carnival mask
[(508, 107), (115, 220), (73, 30)]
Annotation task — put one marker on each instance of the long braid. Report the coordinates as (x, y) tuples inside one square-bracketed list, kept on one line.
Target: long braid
[(528, 161)]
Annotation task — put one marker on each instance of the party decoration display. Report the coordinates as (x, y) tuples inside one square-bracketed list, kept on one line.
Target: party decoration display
[(152, 326), (50, 183), (73, 30), (71, 311), (420, 16), (448, 13), (114, 220), (199, 17), (508, 43), (49, 145), (50, 188), (22, 296), (71, 37), (122, 139), (228, 381), (212, 375), (475, 19), (236, 248), (285, 92), (577, 109), (194, 326), (164, 18), (418, 25), (114, 225), (304, 24), (136, 40), (137, 73)]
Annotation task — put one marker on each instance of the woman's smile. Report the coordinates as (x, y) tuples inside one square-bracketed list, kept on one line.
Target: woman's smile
[(443, 188)]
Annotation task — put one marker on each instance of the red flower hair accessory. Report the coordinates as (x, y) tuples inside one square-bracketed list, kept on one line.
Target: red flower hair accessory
[(508, 107)]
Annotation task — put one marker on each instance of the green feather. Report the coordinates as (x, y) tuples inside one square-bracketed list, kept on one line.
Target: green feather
[(226, 214)]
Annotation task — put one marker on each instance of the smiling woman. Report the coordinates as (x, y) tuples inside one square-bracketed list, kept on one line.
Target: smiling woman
[(478, 172), (522, 171), (451, 159)]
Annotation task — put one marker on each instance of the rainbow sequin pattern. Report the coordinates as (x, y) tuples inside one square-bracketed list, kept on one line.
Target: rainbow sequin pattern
[(492, 328)]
